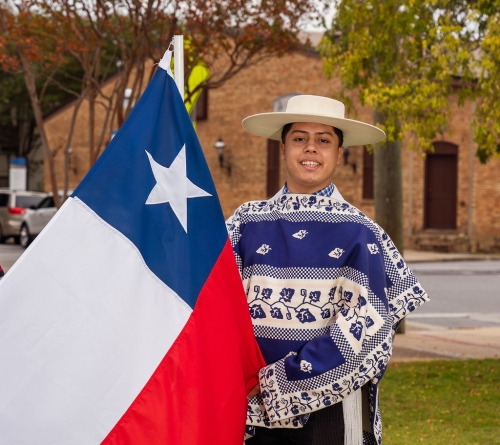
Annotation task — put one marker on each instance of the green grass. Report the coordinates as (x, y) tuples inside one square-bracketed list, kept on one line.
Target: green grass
[(441, 402)]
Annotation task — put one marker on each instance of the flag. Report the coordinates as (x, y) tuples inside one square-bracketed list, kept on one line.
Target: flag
[(125, 322)]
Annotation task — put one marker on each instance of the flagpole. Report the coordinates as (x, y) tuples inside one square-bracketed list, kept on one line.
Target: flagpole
[(179, 63)]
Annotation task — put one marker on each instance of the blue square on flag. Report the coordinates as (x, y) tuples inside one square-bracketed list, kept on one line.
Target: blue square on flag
[(153, 155)]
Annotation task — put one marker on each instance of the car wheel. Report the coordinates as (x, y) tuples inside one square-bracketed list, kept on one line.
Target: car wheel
[(24, 236), (2, 238)]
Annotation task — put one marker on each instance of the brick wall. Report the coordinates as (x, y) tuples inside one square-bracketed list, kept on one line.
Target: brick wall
[(57, 128), (253, 91)]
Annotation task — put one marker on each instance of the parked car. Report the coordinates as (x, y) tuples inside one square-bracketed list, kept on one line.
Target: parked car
[(36, 218), (13, 205)]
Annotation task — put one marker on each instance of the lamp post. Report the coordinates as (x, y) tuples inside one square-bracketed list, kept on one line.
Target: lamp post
[(220, 146)]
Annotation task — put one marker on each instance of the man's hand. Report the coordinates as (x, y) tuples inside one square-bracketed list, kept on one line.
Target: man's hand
[(254, 391)]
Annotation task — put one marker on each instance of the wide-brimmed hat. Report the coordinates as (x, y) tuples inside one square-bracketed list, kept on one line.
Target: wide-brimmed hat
[(316, 109)]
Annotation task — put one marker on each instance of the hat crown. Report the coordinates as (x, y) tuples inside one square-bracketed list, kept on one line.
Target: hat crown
[(314, 109), (316, 105)]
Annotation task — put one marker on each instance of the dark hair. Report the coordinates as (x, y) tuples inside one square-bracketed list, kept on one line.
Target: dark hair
[(287, 127)]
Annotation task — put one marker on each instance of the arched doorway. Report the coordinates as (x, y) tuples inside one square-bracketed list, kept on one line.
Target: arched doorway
[(441, 175)]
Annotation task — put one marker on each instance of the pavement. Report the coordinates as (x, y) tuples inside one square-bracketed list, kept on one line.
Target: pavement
[(418, 256), (422, 341)]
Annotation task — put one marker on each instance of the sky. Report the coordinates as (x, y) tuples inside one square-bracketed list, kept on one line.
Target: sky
[(328, 19)]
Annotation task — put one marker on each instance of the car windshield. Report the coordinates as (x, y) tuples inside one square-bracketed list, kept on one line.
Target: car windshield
[(27, 201), (47, 202)]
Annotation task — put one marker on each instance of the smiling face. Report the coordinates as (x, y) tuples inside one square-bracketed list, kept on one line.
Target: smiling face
[(311, 153)]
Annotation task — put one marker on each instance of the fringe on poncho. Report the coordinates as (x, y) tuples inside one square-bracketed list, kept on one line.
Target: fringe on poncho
[(326, 289)]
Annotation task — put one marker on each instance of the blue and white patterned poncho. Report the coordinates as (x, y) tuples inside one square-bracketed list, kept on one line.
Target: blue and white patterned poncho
[(326, 290)]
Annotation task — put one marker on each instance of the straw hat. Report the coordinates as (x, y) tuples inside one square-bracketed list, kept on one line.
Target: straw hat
[(316, 109)]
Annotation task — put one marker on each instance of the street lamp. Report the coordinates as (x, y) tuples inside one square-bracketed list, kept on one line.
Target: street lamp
[(220, 145)]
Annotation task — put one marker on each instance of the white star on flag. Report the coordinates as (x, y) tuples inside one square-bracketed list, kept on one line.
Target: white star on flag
[(173, 186)]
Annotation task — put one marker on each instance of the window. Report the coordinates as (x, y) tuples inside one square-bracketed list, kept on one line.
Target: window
[(27, 201), (202, 105), (368, 192), (273, 167), (46, 203), (4, 170)]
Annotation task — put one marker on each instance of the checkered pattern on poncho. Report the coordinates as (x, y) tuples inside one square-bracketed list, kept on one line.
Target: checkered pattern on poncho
[(326, 290), (326, 191)]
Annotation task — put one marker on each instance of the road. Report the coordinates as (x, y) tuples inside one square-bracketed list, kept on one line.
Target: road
[(464, 294), (462, 320), (9, 253)]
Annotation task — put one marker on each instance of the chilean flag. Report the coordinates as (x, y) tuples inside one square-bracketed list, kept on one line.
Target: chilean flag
[(126, 322)]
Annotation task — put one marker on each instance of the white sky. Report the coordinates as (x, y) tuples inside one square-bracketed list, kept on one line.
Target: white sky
[(328, 16)]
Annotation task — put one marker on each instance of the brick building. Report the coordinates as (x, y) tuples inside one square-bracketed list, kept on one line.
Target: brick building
[(451, 201)]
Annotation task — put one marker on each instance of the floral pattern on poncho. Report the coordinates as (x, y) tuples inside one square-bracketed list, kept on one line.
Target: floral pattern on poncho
[(326, 289)]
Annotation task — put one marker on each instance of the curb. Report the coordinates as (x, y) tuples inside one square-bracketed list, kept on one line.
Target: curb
[(426, 342), (418, 256)]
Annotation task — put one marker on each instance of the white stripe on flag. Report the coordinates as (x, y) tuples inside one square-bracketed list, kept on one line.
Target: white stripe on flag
[(89, 328)]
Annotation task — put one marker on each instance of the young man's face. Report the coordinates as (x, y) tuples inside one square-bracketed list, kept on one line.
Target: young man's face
[(311, 153)]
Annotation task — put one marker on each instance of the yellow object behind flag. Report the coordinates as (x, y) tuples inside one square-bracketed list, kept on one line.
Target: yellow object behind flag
[(199, 75)]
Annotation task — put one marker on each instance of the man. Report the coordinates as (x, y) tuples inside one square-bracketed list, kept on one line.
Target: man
[(326, 287)]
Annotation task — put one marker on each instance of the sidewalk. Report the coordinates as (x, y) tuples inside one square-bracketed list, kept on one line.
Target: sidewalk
[(418, 256), (428, 342)]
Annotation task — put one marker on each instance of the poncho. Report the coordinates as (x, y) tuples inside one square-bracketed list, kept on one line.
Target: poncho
[(326, 289)]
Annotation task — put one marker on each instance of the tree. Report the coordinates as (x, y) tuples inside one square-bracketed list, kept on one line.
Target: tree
[(15, 115), (401, 56), (23, 49), (224, 35), (228, 36), (485, 16), (17, 124)]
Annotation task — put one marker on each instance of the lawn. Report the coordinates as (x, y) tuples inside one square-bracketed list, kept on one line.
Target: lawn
[(441, 403)]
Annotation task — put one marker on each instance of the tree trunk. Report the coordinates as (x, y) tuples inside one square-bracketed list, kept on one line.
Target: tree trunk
[(68, 152), (92, 149), (29, 79), (388, 188)]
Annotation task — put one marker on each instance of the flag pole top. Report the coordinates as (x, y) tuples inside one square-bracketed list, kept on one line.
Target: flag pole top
[(179, 63)]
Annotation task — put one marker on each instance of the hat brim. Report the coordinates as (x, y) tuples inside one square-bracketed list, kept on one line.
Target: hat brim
[(269, 125)]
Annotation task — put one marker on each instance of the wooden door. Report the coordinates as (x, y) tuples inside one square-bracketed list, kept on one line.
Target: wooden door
[(273, 167), (441, 187), (368, 191)]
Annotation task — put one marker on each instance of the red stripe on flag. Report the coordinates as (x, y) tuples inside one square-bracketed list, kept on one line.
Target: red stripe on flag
[(197, 395)]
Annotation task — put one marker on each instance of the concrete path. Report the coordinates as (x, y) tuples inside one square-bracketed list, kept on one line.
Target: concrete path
[(426, 342), (418, 256), (423, 341)]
